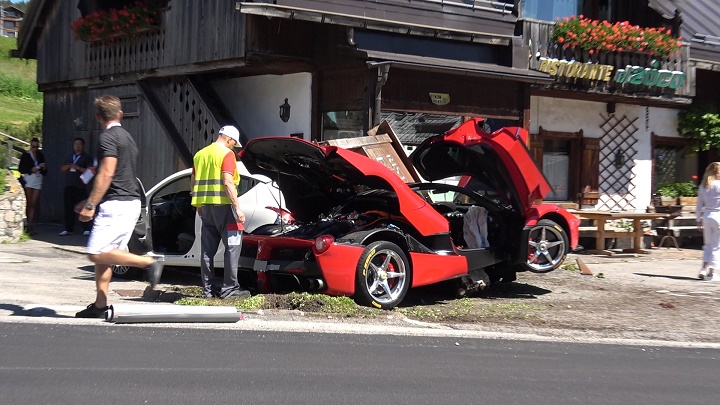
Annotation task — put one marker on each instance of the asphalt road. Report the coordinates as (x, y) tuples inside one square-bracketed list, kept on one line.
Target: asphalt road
[(114, 364)]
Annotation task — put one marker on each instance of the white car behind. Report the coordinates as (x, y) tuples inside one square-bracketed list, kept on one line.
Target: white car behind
[(169, 226)]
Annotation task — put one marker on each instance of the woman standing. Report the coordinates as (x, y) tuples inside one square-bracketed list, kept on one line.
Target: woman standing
[(32, 168), (708, 220)]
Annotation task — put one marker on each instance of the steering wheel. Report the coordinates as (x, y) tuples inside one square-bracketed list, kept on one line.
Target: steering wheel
[(182, 202)]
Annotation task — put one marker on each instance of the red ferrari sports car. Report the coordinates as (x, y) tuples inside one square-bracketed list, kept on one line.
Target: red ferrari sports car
[(361, 231)]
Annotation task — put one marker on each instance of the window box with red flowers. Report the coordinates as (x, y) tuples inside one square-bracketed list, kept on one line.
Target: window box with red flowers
[(596, 36), (109, 25)]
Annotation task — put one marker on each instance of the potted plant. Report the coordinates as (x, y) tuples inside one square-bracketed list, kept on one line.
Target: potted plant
[(687, 195), (668, 194), (106, 26), (595, 35)]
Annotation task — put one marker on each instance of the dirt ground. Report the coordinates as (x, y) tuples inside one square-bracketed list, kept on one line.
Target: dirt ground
[(654, 296)]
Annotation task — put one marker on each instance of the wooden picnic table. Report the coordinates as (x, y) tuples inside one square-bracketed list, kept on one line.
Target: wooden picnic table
[(601, 218)]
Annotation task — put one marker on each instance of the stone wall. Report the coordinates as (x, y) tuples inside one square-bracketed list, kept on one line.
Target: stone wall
[(12, 210)]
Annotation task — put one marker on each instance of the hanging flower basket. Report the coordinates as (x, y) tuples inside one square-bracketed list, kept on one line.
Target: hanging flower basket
[(107, 26), (596, 36)]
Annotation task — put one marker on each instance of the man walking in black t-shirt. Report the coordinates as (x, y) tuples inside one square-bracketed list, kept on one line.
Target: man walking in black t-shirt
[(116, 197), (75, 189)]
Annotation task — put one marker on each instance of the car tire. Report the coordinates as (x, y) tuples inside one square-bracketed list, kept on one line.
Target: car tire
[(126, 272), (129, 272), (383, 276), (547, 247)]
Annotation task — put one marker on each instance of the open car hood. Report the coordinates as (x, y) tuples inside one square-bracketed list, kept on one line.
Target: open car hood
[(314, 179), (497, 161)]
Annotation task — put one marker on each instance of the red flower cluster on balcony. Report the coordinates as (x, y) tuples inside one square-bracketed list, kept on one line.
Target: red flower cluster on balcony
[(107, 25), (594, 35)]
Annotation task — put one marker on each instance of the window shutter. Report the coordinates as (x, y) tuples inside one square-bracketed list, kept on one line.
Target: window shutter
[(590, 170)]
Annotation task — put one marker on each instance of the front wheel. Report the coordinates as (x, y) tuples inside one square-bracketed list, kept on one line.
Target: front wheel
[(126, 272), (382, 276), (547, 247)]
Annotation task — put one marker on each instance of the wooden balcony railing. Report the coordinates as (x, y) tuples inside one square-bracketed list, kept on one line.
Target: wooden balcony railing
[(537, 35)]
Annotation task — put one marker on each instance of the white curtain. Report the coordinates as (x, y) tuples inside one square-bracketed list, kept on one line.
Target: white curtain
[(556, 167)]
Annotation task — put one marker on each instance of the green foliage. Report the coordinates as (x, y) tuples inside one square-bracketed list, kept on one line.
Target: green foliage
[(702, 126), (33, 129), (686, 189), (678, 189), (667, 190), (20, 102)]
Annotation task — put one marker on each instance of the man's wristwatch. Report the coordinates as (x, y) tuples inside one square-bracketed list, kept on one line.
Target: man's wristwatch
[(90, 206)]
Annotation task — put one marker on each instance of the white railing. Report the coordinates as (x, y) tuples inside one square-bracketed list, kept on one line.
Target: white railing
[(10, 142)]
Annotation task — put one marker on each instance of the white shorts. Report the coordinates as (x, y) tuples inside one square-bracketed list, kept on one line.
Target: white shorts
[(113, 226), (33, 180)]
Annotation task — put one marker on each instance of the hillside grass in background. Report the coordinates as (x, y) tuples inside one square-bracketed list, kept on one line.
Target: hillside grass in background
[(20, 102)]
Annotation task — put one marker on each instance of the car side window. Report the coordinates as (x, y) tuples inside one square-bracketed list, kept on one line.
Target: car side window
[(246, 183), (169, 190)]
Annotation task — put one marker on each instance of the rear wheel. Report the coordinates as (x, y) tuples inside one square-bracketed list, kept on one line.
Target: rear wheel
[(547, 247), (382, 276)]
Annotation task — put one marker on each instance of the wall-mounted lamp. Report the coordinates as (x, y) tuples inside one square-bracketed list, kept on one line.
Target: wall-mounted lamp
[(610, 108), (285, 111), (619, 159)]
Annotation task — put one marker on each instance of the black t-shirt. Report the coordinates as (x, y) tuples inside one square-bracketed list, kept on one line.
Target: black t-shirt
[(72, 179), (117, 142)]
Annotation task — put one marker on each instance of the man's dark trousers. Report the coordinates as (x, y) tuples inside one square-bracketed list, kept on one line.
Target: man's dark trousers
[(72, 196)]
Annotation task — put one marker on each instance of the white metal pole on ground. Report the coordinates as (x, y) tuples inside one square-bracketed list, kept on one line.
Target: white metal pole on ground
[(124, 313), (183, 318)]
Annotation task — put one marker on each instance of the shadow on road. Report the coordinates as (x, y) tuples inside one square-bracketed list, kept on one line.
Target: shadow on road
[(667, 276), (17, 310), (512, 290), (439, 294)]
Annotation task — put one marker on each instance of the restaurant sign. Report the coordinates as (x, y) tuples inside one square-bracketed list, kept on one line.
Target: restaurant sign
[(636, 75)]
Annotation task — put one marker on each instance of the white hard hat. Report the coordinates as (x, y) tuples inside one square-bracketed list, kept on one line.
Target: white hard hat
[(232, 132)]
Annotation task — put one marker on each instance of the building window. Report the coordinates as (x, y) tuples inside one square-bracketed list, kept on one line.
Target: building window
[(672, 162), (130, 106), (550, 10), (556, 167), (342, 124)]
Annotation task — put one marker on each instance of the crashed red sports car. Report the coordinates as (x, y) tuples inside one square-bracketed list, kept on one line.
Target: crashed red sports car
[(361, 231)]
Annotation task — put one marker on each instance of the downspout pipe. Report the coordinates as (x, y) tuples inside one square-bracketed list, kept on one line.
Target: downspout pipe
[(383, 68)]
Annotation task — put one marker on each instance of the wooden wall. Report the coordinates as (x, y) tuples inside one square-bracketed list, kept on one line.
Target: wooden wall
[(408, 90), (190, 32), (69, 113)]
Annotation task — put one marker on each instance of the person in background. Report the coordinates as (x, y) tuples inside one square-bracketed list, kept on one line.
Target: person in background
[(214, 192), (115, 195), (708, 220), (32, 168), (73, 167)]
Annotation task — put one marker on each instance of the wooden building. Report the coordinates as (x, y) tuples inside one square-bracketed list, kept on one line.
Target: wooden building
[(321, 70), (307, 68)]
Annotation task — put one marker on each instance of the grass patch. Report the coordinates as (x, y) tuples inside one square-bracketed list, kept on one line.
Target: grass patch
[(302, 301), (20, 101), (16, 113), (570, 267), (471, 310)]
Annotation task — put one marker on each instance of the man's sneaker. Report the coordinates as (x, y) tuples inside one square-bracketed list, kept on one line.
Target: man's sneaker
[(92, 312), (703, 274), (232, 294), (154, 272), (86, 233), (65, 233)]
